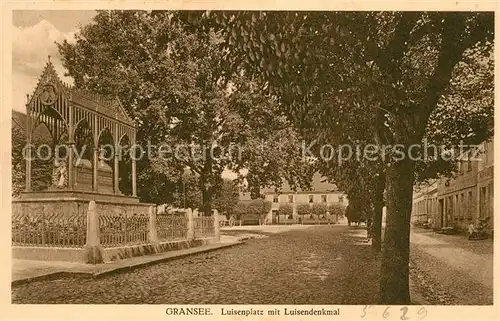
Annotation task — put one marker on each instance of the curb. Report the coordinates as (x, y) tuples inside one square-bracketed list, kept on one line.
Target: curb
[(160, 260), (121, 269), (51, 276)]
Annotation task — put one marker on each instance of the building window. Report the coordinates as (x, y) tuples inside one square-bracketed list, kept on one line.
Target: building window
[(341, 198), (275, 199), (311, 198), (323, 198), (290, 198)]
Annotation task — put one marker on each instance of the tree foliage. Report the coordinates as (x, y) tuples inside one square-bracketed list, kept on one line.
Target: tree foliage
[(304, 209), (257, 207), (227, 198), (285, 209), (319, 209), (41, 169), (165, 74), (340, 75)]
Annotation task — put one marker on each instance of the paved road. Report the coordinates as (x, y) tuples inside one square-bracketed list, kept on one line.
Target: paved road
[(319, 265), (452, 269)]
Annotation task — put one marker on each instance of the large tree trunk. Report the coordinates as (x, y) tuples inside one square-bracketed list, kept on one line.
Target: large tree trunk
[(207, 201), (394, 281), (378, 209)]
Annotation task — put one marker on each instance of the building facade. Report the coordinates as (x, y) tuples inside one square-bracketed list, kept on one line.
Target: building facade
[(464, 199), (424, 208), (321, 192)]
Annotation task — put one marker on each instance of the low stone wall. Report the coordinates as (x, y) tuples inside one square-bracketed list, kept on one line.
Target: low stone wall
[(119, 253), (80, 255), (48, 253)]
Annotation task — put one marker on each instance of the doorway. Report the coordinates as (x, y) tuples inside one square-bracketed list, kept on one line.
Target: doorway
[(274, 217)]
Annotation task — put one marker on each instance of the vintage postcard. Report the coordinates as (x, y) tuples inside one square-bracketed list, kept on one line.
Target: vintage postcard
[(249, 161)]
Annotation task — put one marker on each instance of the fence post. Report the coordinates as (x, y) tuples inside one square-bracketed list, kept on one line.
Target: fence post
[(43, 226), (92, 249), (152, 235), (190, 223), (216, 227)]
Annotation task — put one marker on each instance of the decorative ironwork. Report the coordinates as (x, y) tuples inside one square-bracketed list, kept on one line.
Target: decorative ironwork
[(171, 227), (120, 230), (62, 108), (49, 95), (49, 227), (204, 227)]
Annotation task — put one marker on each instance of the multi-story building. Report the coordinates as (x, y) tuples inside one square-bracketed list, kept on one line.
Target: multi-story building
[(321, 192), (425, 205), (485, 185), (463, 199)]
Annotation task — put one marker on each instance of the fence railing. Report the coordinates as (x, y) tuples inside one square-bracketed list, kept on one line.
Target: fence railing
[(45, 227), (204, 226), (171, 227), (53, 226), (119, 230)]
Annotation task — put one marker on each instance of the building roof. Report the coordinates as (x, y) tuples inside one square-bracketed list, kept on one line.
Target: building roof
[(318, 185), (109, 106)]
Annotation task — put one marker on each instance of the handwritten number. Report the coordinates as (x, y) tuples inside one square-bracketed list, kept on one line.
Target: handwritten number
[(422, 313), (364, 310), (386, 313), (404, 310)]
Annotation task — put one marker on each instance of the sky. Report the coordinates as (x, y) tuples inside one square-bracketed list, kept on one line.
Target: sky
[(34, 36)]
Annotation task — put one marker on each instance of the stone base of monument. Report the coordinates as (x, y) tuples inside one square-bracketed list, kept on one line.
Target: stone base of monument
[(53, 195), (125, 252), (94, 255), (39, 253)]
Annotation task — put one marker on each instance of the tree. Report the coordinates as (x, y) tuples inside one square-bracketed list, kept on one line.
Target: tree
[(257, 208), (18, 162), (329, 67), (285, 210), (173, 89), (319, 209), (187, 193), (41, 171), (227, 198), (337, 210), (304, 209), (260, 207), (274, 159), (364, 184)]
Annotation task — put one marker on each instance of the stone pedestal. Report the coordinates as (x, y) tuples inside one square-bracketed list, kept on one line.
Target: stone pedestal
[(152, 235), (93, 252), (216, 227), (190, 222)]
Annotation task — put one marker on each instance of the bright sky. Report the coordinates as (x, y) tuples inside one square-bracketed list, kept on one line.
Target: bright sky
[(34, 37)]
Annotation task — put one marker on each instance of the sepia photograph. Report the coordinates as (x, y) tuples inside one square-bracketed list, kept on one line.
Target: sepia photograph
[(310, 159)]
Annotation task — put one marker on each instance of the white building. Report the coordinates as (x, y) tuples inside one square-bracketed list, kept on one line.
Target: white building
[(321, 192)]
